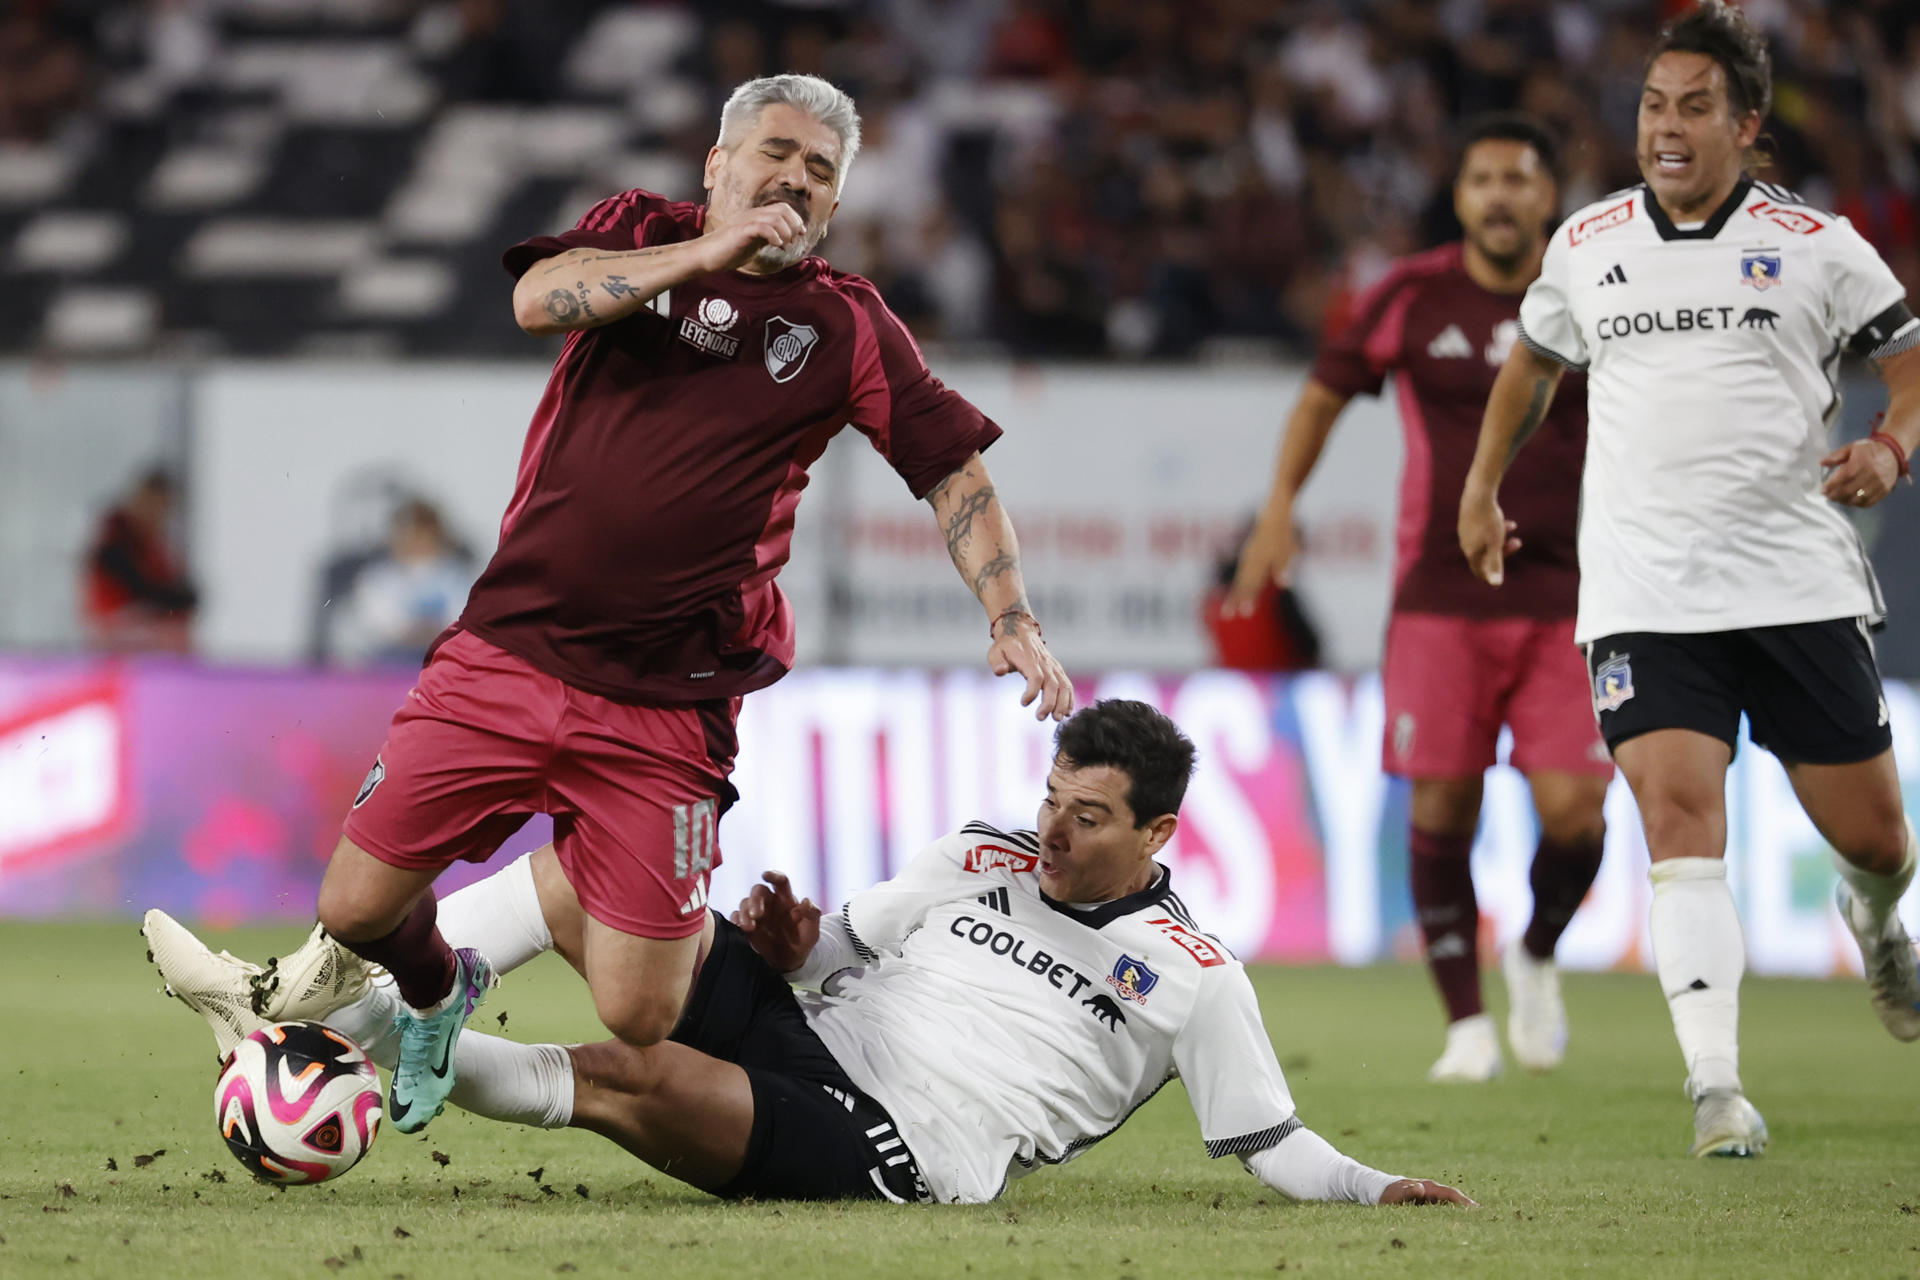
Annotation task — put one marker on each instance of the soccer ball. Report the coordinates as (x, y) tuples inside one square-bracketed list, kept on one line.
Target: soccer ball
[(297, 1102)]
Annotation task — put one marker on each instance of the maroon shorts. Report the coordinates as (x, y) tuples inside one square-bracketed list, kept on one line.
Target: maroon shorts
[(484, 741), (1450, 683)]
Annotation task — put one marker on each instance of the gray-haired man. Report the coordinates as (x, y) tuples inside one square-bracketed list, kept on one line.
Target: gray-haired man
[(597, 670)]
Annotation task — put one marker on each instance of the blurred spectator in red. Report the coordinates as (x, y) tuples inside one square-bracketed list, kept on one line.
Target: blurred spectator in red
[(1030, 43), (1276, 635), (135, 592)]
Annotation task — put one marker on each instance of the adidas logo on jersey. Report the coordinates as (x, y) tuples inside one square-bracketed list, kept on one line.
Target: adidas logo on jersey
[(1616, 276), (1450, 345)]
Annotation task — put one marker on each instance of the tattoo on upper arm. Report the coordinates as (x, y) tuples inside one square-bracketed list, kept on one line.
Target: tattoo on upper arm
[(562, 306), (939, 491)]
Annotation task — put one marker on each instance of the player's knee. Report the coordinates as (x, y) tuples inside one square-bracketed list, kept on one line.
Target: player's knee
[(639, 1019), (351, 916), (1680, 820), (1876, 843), (1574, 820), (1446, 806)]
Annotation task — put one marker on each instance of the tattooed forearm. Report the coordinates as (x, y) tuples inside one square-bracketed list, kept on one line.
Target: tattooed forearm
[(616, 286), (959, 528), (586, 299), (562, 307), (567, 261), (1008, 623), (1536, 413), (998, 567)]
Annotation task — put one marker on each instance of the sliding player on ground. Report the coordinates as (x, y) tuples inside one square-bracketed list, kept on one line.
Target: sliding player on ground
[(1002, 1004), (597, 670), (1719, 573), (1462, 658)]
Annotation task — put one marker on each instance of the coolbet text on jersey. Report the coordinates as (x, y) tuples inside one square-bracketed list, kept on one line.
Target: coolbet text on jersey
[(1711, 353), (1053, 1022)]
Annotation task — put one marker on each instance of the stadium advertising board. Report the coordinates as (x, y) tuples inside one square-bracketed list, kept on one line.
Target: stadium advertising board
[(217, 794)]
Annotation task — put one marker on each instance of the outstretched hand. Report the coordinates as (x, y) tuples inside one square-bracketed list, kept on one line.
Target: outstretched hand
[(1423, 1191), (1017, 646), (782, 930)]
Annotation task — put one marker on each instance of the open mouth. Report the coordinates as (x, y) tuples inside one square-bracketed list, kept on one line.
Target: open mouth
[(1671, 162)]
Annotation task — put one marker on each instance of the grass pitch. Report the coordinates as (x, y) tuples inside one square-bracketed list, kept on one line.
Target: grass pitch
[(1583, 1172)]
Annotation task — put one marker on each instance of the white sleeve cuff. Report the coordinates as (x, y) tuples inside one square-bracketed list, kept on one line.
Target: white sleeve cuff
[(833, 955), (1304, 1166)]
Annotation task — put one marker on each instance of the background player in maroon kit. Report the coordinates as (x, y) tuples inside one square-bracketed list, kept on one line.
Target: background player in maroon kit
[(598, 668), (1460, 660)]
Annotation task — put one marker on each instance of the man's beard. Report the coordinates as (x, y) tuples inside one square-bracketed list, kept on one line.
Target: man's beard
[(773, 257), (1506, 260)]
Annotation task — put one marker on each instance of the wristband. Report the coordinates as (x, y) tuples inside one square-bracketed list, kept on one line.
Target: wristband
[(1899, 454), (994, 626)]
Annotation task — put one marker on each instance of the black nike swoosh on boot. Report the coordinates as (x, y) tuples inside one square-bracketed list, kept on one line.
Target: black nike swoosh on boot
[(446, 1060), (397, 1109)]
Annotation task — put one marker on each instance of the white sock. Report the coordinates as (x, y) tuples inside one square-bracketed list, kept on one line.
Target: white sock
[(1877, 897), (499, 917), (1700, 954), (368, 1021), (494, 1078), (521, 1083)]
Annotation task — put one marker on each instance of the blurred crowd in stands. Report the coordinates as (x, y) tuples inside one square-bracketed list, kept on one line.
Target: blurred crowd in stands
[(1088, 178)]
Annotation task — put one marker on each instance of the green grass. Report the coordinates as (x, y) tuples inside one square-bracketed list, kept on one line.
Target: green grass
[(1584, 1172)]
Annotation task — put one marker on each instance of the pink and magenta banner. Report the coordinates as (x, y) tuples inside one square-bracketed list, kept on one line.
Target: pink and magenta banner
[(217, 794)]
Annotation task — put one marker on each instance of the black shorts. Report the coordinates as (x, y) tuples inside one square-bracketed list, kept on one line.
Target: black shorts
[(815, 1135), (1811, 690)]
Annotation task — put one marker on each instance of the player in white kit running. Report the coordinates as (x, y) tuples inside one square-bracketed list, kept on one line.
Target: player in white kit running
[(1718, 574), (1002, 1004)]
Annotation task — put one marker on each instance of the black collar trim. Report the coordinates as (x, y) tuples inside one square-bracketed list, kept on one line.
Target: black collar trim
[(1706, 230), (1107, 912)]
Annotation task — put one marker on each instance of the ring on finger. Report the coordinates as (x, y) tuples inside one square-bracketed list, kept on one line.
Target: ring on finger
[(1859, 494)]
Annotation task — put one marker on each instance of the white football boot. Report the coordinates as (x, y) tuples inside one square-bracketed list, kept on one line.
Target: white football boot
[(313, 981), (1472, 1055), (1726, 1124), (1536, 1016), (1892, 976), (216, 985)]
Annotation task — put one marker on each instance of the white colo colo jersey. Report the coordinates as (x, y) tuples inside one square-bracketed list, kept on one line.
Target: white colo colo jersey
[(1004, 1031), (1711, 354)]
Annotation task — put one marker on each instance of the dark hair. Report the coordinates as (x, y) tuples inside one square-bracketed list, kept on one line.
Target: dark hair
[(1134, 738), (1722, 32), (1511, 126)]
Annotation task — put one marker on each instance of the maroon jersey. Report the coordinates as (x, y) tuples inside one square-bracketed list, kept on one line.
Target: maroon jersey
[(657, 487), (1444, 338)]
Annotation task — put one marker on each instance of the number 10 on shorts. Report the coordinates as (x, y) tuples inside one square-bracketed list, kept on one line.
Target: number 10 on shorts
[(696, 838)]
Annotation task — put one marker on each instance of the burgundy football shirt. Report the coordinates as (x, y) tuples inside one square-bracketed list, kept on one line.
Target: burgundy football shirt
[(657, 487), (1444, 339)]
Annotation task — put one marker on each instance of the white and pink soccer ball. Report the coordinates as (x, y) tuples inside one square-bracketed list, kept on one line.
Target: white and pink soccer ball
[(297, 1102)]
